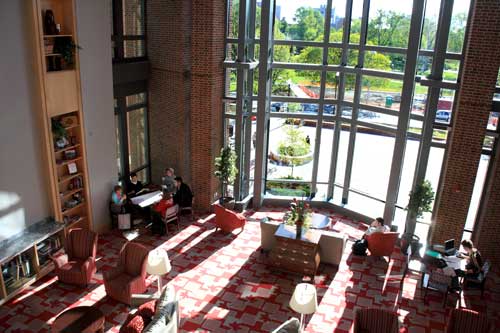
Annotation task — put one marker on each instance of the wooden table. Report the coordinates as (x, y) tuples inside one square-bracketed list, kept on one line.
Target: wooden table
[(85, 319), (296, 255)]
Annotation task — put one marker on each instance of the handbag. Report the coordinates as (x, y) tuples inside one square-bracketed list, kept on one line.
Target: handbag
[(123, 221)]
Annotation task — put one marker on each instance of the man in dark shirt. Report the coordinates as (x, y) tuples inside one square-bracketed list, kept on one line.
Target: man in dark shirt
[(134, 187), (183, 196)]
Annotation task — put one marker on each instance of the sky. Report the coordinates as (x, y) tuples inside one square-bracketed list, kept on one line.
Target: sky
[(288, 7)]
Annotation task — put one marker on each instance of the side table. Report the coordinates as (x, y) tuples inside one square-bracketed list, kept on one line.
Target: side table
[(85, 319)]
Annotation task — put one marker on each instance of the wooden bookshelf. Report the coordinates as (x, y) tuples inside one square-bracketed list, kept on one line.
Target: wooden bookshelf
[(61, 112)]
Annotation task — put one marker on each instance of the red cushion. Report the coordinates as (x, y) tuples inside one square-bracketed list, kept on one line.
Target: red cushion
[(134, 324), (147, 310)]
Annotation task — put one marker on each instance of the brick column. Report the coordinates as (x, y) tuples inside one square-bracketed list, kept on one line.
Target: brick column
[(480, 69), (207, 77), (186, 51)]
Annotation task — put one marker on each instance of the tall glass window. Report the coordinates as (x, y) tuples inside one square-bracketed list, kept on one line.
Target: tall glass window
[(128, 29), (339, 74)]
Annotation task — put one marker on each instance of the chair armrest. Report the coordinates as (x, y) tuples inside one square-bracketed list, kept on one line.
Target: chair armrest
[(139, 299), (86, 264), (113, 273), (60, 260), (241, 217)]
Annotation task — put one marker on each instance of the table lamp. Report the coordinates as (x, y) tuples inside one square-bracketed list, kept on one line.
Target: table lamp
[(158, 264), (304, 301)]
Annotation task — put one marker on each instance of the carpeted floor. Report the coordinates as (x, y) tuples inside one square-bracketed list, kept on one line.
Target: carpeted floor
[(225, 285)]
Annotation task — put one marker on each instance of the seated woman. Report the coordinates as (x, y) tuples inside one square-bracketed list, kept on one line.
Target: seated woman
[(118, 200), (158, 213)]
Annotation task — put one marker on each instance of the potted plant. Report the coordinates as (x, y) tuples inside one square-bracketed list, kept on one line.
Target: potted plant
[(59, 133), (66, 47), (299, 215), (420, 202), (226, 171)]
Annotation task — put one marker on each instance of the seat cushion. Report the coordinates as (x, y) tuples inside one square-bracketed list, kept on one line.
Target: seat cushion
[(73, 266), (118, 284)]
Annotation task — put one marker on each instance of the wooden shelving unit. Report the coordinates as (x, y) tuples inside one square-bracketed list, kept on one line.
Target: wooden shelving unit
[(25, 258), (61, 113)]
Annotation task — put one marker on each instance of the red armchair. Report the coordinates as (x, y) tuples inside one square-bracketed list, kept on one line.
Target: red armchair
[(227, 220), (382, 244), (463, 320), (77, 266), (129, 277), (372, 320)]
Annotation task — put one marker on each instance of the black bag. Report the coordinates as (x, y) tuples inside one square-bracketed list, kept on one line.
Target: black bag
[(359, 247)]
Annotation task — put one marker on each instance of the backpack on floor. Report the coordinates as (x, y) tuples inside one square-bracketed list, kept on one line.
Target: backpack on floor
[(359, 247)]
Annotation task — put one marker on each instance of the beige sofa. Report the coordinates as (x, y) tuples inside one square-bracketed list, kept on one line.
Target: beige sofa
[(331, 244)]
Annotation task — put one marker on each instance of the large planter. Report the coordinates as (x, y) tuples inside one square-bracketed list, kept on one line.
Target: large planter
[(290, 189), (288, 160)]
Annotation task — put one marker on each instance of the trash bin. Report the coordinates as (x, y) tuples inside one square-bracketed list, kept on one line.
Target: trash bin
[(388, 101)]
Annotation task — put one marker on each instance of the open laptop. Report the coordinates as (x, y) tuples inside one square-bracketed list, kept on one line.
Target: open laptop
[(449, 247)]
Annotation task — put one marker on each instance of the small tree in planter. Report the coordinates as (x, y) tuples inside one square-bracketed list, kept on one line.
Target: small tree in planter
[(226, 171), (420, 202)]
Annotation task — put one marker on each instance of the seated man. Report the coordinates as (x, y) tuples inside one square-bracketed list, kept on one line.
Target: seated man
[(377, 225), (168, 180), (361, 245), (183, 196), (134, 186)]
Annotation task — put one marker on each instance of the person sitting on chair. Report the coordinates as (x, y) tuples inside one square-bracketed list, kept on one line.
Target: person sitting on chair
[(474, 259), (168, 180), (134, 187), (118, 200), (183, 196), (377, 225), (158, 213)]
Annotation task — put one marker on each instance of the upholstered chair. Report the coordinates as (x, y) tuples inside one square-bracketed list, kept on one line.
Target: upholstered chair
[(227, 220), (464, 320), (77, 266), (129, 277), (371, 320)]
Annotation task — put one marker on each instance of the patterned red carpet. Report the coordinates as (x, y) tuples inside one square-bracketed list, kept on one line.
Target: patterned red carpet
[(225, 285)]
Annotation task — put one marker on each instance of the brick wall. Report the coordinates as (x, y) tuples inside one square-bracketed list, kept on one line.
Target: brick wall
[(480, 68), (186, 50)]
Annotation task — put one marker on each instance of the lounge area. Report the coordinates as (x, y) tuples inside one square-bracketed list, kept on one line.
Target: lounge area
[(277, 166)]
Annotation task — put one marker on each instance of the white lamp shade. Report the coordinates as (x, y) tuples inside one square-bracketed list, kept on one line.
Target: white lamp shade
[(158, 262), (304, 300)]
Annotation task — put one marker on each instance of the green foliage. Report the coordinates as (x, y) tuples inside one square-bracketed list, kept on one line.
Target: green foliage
[(225, 167), (58, 130), (421, 199), (288, 189), (294, 144), (66, 47), (309, 26), (388, 28)]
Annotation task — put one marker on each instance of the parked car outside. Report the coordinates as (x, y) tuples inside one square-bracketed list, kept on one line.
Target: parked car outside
[(443, 116)]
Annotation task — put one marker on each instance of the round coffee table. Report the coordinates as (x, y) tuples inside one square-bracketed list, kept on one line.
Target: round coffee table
[(85, 319)]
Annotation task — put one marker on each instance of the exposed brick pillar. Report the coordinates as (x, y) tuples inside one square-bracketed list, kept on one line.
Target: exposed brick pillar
[(480, 68), (207, 79), (186, 51)]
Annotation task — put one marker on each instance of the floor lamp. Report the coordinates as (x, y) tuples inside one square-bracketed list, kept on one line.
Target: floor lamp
[(304, 301), (158, 264)]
